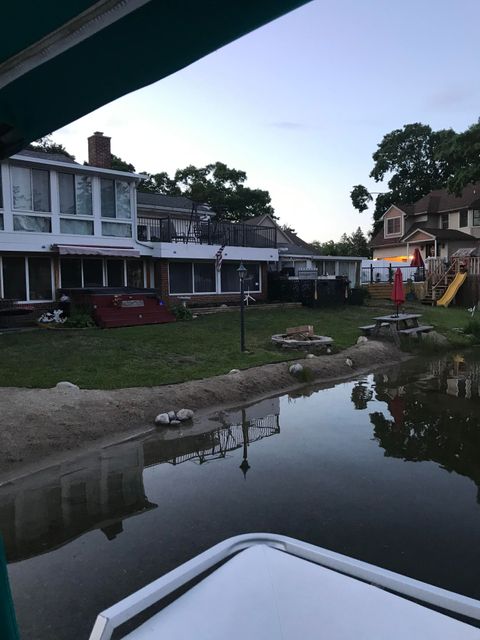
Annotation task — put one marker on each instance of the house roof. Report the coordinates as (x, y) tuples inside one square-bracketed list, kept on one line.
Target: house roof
[(379, 240), (441, 200), (169, 202), (43, 155), (439, 234)]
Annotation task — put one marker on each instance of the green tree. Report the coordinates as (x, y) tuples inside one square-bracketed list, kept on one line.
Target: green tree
[(412, 161), (355, 244), (121, 165), (463, 153), (48, 145)]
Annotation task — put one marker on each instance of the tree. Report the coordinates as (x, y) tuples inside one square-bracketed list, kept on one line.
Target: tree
[(412, 159), (355, 244), (47, 145), (463, 153), (121, 165)]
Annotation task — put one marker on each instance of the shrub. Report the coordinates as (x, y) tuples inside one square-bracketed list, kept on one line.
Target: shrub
[(182, 313), (472, 328), (358, 295), (79, 320)]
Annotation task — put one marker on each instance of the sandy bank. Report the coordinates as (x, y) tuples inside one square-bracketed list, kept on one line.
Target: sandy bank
[(37, 423)]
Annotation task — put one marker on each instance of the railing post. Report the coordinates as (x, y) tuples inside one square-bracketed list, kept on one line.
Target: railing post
[(390, 273), (371, 274)]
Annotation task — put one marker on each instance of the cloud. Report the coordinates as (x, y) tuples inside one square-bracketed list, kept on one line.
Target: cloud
[(453, 96)]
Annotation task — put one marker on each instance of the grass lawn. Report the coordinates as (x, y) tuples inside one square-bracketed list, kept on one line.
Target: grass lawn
[(162, 354)]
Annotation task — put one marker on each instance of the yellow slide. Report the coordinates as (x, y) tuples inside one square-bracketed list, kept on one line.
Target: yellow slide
[(451, 292)]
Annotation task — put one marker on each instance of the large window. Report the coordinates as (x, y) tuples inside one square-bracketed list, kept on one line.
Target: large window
[(135, 273), (476, 218), (75, 194), (463, 218), (115, 273), (115, 197), (116, 230), (31, 189), (40, 278), (192, 277), (14, 281), (76, 227), (34, 224), (393, 226), (231, 282), (181, 277), (93, 272), (27, 278), (71, 272), (444, 221)]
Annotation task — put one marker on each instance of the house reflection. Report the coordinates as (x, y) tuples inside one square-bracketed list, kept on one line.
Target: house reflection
[(47, 509), (424, 422)]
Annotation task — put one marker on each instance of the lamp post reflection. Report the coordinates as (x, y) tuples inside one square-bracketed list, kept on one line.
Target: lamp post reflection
[(245, 424), (241, 274)]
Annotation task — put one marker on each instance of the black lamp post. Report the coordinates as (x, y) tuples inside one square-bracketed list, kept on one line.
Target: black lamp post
[(241, 274), (245, 424)]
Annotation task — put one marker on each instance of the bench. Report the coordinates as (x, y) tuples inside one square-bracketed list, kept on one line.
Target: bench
[(414, 330), (368, 328)]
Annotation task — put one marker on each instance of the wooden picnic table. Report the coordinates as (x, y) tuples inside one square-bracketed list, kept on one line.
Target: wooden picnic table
[(396, 325)]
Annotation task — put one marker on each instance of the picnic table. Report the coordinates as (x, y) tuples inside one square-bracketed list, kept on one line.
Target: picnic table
[(396, 325)]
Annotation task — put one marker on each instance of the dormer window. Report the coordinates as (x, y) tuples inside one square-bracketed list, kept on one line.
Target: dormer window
[(393, 226)]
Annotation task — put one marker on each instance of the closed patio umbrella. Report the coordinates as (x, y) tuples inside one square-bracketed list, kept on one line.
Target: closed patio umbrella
[(398, 295), (417, 260)]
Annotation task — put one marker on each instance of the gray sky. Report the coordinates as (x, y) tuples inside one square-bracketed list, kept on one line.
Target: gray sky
[(301, 104)]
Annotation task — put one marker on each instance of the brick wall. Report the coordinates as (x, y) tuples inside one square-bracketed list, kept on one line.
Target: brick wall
[(99, 154)]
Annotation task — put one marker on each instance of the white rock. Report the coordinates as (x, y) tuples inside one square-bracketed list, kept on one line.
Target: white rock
[(172, 415), (233, 371), (67, 385), (362, 339), (184, 414), (310, 356), (175, 422), (162, 418), (295, 369), (349, 362), (329, 351)]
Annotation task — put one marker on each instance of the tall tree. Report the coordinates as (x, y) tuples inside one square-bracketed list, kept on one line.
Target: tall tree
[(412, 160), (355, 244), (462, 152)]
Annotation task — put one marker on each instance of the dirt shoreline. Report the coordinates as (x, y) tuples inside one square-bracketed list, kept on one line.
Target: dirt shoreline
[(41, 424)]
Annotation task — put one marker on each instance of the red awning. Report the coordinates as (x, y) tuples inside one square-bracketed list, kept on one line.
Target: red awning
[(77, 250)]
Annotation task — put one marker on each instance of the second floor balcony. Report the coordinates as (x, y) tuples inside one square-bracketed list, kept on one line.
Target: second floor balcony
[(196, 231)]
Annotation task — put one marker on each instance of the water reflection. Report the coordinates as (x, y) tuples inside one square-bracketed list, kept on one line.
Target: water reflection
[(431, 416), (47, 509)]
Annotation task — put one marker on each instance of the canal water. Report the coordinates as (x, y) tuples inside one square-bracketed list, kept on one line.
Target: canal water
[(385, 468)]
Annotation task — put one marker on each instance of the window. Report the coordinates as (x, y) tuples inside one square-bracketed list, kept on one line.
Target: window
[(71, 272), (180, 279), (76, 227), (34, 224), (115, 273), (115, 198), (463, 218), (75, 194), (204, 277), (135, 273), (14, 282), (476, 218), (393, 226), (444, 221), (116, 230), (31, 189), (93, 273), (40, 278), (231, 282)]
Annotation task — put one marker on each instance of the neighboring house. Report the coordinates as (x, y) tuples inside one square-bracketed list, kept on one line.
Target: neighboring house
[(298, 259), (67, 225), (438, 224)]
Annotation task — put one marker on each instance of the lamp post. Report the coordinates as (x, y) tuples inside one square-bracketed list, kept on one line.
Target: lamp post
[(241, 274)]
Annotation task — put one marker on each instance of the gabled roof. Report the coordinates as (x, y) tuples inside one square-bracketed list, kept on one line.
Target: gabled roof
[(379, 240), (170, 202), (441, 200), (439, 234), (43, 155)]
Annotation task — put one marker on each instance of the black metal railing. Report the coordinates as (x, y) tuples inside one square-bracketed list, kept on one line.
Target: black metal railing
[(170, 229)]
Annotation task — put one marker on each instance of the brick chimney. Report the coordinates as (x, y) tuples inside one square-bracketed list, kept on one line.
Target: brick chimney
[(99, 154)]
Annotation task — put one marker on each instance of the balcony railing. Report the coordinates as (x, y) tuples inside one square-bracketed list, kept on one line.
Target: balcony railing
[(170, 229)]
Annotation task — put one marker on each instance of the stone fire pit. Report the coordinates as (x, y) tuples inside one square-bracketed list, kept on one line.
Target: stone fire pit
[(301, 338)]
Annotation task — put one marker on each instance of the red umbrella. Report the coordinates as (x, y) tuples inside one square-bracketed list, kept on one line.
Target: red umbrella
[(417, 260), (398, 295)]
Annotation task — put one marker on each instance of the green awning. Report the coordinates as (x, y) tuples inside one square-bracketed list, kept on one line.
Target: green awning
[(61, 60)]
